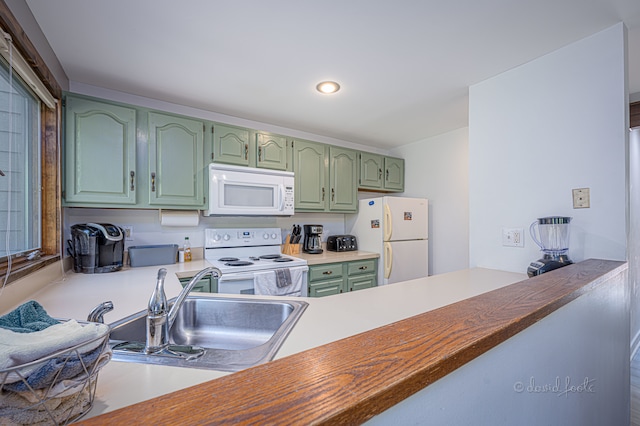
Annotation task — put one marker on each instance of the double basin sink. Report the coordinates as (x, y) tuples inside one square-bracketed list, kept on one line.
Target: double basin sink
[(235, 333)]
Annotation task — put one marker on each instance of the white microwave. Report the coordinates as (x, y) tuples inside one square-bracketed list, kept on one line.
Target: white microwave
[(249, 191)]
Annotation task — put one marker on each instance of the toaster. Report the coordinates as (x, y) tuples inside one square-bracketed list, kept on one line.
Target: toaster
[(342, 243)]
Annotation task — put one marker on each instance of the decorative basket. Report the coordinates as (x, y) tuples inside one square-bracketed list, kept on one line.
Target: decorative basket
[(57, 389)]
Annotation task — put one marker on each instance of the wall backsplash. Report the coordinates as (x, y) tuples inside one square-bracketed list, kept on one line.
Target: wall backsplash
[(147, 229)]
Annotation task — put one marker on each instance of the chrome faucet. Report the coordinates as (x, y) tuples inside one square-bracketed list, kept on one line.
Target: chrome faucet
[(159, 321)]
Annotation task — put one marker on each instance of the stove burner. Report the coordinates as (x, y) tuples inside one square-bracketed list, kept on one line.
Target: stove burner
[(228, 259), (239, 263), (270, 256), (283, 259)]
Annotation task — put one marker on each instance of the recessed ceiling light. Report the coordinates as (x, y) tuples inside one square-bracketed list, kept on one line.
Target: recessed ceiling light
[(328, 87)]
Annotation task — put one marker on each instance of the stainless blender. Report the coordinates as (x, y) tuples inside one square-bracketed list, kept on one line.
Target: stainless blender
[(554, 243)]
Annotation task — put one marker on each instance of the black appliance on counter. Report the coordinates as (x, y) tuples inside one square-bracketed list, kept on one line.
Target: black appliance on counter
[(96, 248), (312, 243), (342, 243)]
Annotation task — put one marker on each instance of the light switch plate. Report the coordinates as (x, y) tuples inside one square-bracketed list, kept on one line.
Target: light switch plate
[(581, 198)]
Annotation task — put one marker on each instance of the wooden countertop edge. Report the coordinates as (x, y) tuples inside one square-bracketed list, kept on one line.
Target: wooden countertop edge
[(353, 379)]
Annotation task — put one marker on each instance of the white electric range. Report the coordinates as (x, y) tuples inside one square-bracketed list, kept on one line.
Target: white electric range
[(243, 253)]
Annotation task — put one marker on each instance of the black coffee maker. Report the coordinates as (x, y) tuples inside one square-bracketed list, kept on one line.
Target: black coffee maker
[(96, 248), (312, 239)]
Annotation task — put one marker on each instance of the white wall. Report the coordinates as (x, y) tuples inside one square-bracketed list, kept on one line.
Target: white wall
[(538, 376), (437, 168), (147, 229), (634, 236), (540, 130), (23, 14)]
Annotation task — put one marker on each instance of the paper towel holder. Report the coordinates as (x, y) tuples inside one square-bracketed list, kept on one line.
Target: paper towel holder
[(179, 218)]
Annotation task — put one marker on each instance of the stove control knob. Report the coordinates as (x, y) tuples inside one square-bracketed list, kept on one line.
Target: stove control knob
[(216, 237), (265, 236), (274, 236), (226, 237)]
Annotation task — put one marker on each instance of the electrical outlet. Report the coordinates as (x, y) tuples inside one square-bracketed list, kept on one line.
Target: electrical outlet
[(128, 232), (581, 198), (513, 237)]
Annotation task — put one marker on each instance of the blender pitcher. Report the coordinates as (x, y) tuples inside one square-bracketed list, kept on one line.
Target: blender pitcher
[(554, 234), (553, 240)]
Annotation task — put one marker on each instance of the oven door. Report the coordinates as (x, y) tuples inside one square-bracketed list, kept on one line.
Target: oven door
[(243, 283), (236, 283)]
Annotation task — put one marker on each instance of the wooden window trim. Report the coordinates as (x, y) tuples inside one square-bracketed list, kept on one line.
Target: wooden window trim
[(634, 114), (51, 246)]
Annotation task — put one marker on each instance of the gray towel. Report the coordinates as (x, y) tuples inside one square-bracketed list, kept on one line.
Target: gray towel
[(27, 318), (57, 369), (283, 277)]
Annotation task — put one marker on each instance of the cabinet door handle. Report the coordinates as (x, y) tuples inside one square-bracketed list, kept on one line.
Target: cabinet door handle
[(259, 153), (322, 194), (133, 175), (153, 181), (379, 173), (387, 175), (246, 151), (362, 268), (2, 173), (327, 273), (333, 194)]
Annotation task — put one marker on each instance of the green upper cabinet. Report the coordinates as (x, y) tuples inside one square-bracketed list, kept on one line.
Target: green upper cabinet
[(230, 145), (343, 167), (113, 152), (176, 161), (310, 168), (325, 177), (394, 173), (100, 153), (371, 170), (381, 173), (271, 151)]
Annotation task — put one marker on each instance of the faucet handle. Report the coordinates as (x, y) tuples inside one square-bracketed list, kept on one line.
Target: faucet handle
[(96, 314), (158, 301)]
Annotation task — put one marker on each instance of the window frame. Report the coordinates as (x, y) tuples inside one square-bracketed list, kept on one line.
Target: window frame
[(50, 136), (634, 114)]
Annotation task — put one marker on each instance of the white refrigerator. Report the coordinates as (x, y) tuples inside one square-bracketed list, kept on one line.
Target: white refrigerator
[(398, 229)]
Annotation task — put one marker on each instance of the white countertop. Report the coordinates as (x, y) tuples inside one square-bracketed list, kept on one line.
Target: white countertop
[(326, 319), (332, 256)]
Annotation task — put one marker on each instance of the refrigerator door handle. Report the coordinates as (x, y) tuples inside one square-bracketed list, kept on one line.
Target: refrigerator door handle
[(388, 260), (387, 223)]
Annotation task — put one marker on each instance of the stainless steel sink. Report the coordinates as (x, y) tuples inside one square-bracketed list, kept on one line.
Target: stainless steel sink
[(235, 333)]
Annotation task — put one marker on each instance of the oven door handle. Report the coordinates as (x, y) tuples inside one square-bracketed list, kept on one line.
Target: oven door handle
[(240, 276)]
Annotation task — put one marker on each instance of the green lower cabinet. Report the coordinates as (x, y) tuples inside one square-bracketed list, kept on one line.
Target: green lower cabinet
[(203, 286), (362, 274), (326, 288), (359, 283), (335, 278)]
